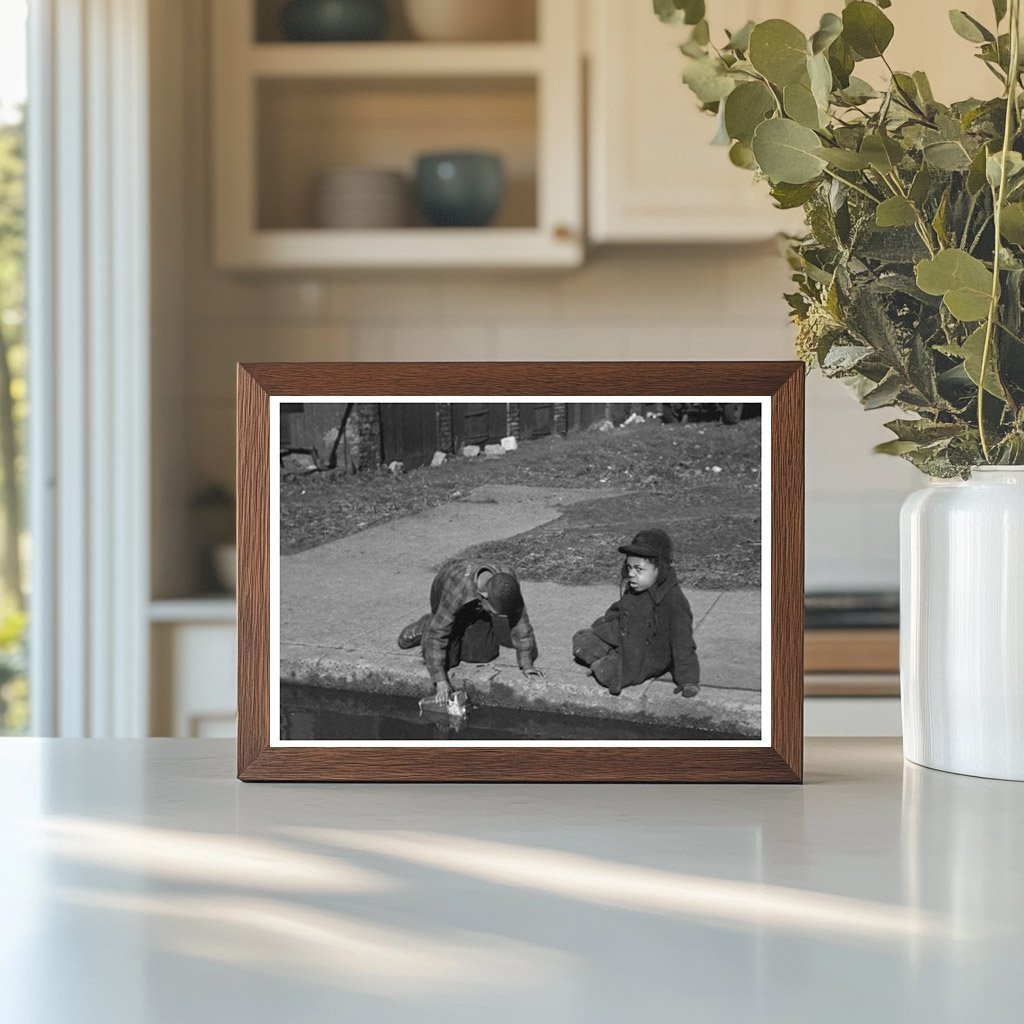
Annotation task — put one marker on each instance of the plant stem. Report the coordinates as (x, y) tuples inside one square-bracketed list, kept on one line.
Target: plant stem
[(855, 187), (993, 309), (970, 216), (922, 225), (1012, 334), (771, 90), (981, 231)]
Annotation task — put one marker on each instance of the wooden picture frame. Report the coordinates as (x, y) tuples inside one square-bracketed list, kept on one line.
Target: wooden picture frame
[(776, 755)]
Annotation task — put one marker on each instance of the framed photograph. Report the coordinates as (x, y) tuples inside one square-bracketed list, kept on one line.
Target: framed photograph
[(514, 572)]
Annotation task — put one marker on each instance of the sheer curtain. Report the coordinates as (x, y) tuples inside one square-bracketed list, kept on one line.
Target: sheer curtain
[(88, 302)]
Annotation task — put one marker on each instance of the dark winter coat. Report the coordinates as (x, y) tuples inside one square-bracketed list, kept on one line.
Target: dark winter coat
[(653, 631)]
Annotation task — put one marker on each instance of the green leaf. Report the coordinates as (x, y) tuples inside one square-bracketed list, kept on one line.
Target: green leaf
[(1011, 226), (778, 50), (701, 33), (963, 281), (923, 431), (999, 7), (820, 76), (971, 352), (921, 369), (895, 447), (739, 41), (676, 12), (822, 222), (745, 108), (976, 174), (994, 167), (844, 159), (841, 60), (695, 11), (742, 155), (789, 197), (668, 12), (906, 89), (885, 394), (997, 53), (866, 29), (830, 28), (858, 91), (939, 220), (924, 88), (708, 81), (946, 156), (968, 28), (785, 152), (883, 153), (921, 185), (800, 105), (896, 212)]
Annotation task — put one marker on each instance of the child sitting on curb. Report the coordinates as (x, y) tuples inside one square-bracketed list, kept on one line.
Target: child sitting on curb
[(649, 630)]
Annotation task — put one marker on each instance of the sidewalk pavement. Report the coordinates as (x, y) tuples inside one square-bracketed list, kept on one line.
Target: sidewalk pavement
[(344, 603)]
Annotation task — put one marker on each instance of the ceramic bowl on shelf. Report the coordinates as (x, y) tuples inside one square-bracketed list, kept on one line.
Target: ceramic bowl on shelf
[(334, 20), (470, 20), (361, 198), (460, 189)]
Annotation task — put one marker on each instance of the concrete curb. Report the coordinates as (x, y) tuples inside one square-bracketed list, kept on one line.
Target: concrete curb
[(715, 711)]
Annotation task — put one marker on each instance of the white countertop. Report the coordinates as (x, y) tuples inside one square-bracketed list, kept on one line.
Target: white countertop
[(144, 885)]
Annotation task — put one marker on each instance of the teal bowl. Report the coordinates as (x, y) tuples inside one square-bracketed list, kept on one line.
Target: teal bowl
[(460, 190), (334, 21)]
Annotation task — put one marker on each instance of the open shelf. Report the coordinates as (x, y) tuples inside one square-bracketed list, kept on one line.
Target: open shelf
[(306, 128), (409, 248), (288, 113), (393, 60), (519, 19)]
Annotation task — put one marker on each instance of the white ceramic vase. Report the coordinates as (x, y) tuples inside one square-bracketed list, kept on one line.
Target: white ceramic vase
[(962, 624)]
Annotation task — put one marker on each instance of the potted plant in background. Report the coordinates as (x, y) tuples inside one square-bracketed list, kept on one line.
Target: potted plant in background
[(909, 285)]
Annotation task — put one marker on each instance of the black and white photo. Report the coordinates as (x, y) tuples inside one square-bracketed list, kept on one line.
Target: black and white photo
[(520, 571)]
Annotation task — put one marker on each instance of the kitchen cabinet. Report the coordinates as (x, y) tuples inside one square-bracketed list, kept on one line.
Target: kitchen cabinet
[(287, 113), (653, 175), (192, 649)]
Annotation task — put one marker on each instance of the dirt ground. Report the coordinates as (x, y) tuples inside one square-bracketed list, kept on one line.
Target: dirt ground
[(700, 481)]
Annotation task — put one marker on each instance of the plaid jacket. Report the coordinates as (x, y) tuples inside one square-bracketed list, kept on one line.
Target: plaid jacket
[(455, 587)]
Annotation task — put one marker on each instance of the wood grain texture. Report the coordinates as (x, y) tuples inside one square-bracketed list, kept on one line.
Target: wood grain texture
[(781, 762), (252, 486), (787, 570)]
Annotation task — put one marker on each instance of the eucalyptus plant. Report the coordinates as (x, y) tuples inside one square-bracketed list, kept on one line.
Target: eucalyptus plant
[(910, 278)]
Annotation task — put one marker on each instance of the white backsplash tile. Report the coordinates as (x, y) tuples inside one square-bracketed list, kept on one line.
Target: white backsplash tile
[(645, 285), (373, 296), (510, 297)]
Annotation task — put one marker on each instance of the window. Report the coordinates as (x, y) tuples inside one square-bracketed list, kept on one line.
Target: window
[(14, 702)]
